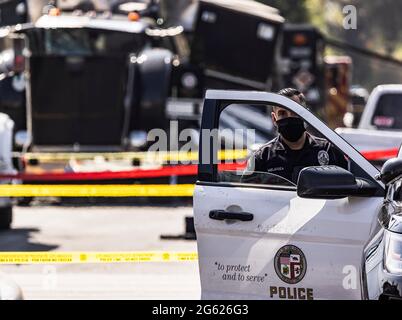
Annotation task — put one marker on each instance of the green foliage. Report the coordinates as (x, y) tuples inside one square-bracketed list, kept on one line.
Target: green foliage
[(379, 28), (294, 11)]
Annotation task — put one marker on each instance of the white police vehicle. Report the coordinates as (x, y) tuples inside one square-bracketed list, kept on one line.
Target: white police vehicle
[(6, 168), (9, 289), (334, 235)]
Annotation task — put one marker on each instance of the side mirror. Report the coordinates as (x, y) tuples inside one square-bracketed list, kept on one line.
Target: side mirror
[(332, 182), (391, 170)]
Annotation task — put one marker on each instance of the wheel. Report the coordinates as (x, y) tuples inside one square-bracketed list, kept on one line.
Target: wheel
[(24, 202), (6, 217)]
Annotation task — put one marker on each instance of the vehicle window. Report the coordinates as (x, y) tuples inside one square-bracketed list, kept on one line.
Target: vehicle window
[(89, 42), (254, 177), (269, 162), (388, 113), (62, 42)]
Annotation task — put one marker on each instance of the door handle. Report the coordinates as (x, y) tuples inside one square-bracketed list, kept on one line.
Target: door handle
[(223, 215)]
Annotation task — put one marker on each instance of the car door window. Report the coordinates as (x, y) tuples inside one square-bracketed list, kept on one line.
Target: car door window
[(246, 127), (250, 127), (254, 177)]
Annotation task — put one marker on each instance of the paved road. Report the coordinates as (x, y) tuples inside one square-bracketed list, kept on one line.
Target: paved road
[(119, 228)]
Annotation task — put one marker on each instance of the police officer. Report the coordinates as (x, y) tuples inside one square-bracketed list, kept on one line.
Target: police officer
[(294, 148)]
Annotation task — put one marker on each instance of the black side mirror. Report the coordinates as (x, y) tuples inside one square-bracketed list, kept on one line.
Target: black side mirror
[(332, 182), (391, 170)]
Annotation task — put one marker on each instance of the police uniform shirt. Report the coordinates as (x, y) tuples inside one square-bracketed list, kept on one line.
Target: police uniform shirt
[(277, 158)]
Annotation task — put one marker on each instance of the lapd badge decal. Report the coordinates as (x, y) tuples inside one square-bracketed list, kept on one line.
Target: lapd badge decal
[(323, 158), (290, 264)]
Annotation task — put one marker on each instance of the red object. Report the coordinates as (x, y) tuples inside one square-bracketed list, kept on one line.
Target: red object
[(179, 170), (380, 154)]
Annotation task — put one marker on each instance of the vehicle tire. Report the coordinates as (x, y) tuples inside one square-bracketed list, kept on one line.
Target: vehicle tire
[(24, 202), (6, 217)]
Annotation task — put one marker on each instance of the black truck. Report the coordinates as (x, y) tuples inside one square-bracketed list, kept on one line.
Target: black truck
[(99, 78)]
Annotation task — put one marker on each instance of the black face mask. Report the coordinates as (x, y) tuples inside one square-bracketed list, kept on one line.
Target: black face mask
[(291, 128)]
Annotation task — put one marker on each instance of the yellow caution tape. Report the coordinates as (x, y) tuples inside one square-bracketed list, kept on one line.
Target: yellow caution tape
[(162, 156), (121, 190), (94, 257)]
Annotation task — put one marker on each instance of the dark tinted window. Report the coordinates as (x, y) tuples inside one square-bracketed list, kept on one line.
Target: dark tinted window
[(85, 42), (388, 113)]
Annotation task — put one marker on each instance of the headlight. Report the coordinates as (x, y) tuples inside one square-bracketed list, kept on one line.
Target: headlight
[(189, 80), (20, 9), (138, 138), (393, 253)]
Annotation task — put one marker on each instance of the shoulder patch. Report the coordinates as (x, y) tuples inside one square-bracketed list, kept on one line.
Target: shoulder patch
[(264, 152)]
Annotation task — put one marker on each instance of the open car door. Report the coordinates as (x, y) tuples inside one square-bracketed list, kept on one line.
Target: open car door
[(257, 239)]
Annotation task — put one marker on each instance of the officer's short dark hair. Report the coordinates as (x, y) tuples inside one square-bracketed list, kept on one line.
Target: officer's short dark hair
[(290, 92)]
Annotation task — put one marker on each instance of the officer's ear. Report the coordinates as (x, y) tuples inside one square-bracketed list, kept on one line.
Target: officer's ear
[(273, 116)]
